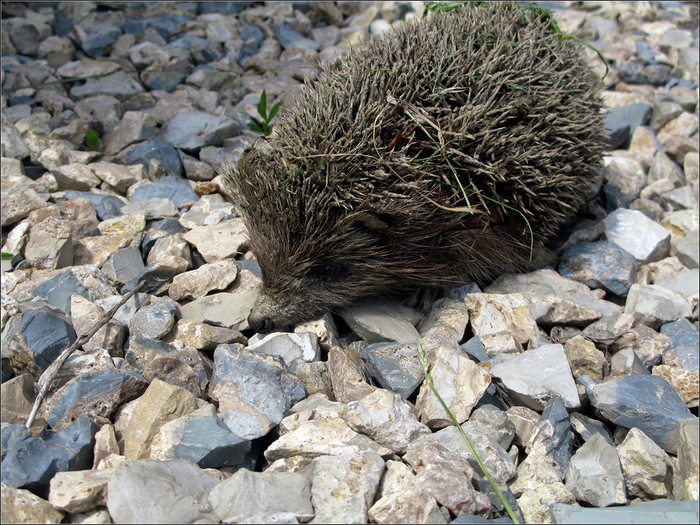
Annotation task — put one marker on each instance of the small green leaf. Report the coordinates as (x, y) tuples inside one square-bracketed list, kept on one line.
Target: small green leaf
[(92, 141), (263, 105), (274, 111), (7, 256), (256, 127)]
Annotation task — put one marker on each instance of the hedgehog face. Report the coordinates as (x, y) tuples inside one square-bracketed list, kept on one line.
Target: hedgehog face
[(320, 273)]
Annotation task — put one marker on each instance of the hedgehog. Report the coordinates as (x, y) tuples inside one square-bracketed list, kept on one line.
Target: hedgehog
[(449, 150)]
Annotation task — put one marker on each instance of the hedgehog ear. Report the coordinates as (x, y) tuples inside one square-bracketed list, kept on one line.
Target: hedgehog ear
[(372, 222)]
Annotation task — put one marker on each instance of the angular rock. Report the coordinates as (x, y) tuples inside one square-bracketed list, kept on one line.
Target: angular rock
[(646, 402), (460, 383), (200, 437), (250, 409), (95, 395), (263, 496), (377, 320), (229, 310), (79, 491), (31, 461), (160, 403), (599, 265), (645, 465), (532, 378), (160, 492), (394, 366), (635, 233), (595, 475), (293, 349), (553, 299), (154, 320), (654, 305), (23, 506), (386, 418), (198, 283)]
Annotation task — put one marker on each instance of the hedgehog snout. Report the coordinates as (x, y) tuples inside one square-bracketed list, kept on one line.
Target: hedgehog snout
[(260, 322)]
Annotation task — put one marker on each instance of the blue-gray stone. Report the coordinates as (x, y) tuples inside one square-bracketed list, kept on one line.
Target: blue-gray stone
[(32, 461), (248, 49), (167, 26), (46, 335), (658, 511), (475, 349), (99, 45), (97, 394), (57, 290), (12, 434), (153, 276), (143, 152), (176, 189), (140, 350), (272, 392), (251, 265), (171, 225), (162, 79), (106, 206), (613, 199), (203, 51), (647, 53), (384, 364), (553, 433), (658, 74), (124, 264), (193, 130), (627, 116), (633, 73), (209, 443), (684, 343), (252, 31), (599, 264), (62, 26), (287, 38), (647, 402), (223, 8)]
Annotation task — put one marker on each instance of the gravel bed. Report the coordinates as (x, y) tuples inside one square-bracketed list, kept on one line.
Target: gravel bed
[(577, 383)]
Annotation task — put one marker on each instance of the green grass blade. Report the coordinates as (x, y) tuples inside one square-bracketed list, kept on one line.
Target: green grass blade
[(429, 380)]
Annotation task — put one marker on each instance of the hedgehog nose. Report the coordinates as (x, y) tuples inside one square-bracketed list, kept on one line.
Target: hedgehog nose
[(260, 323)]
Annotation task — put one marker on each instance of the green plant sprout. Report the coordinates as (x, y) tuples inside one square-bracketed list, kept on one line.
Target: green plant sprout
[(264, 127)]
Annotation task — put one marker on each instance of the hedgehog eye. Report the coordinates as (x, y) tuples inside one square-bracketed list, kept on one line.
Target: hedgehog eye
[(327, 270)]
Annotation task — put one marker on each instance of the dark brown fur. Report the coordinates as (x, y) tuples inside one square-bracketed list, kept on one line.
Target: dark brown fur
[(360, 191)]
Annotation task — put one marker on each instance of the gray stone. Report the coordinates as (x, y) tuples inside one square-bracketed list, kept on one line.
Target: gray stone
[(647, 402), (594, 474), (533, 377), (377, 320), (118, 85), (262, 495), (687, 249), (293, 348), (229, 310), (660, 511), (123, 265), (634, 232), (106, 206), (586, 427), (683, 350), (178, 190), (95, 395), (160, 492), (552, 436), (193, 130), (626, 118), (599, 265), (654, 305), (287, 38), (31, 461), (46, 334), (170, 160), (685, 282), (200, 437), (250, 409), (394, 366), (553, 299), (155, 320), (386, 418)]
